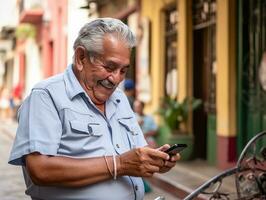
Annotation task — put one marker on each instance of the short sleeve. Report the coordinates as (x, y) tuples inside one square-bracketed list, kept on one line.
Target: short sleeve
[(39, 128)]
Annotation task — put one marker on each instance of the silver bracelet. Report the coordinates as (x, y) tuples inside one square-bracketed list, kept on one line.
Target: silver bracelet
[(115, 167)]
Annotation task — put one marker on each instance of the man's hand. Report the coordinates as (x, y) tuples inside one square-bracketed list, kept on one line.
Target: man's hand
[(143, 162), (169, 164)]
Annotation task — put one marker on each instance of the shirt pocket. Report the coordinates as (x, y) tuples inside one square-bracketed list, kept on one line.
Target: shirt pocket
[(89, 129), (129, 125), (131, 128), (82, 139)]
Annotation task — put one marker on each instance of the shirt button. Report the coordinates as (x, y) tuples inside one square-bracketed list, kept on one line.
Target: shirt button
[(117, 145), (136, 187)]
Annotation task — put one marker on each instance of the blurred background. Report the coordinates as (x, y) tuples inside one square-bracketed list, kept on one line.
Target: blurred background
[(210, 50)]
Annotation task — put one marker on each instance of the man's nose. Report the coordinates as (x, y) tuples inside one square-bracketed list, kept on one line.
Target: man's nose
[(116, 76)]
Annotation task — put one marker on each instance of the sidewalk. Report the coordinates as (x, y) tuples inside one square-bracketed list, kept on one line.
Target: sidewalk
[(177, 183), (187, 176), (8, 127), (12, 186)]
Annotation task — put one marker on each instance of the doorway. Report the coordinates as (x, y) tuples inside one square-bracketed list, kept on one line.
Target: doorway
[(200, 84), (204, 78)]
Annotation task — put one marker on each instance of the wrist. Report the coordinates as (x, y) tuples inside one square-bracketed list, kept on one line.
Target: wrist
[(120, 170)]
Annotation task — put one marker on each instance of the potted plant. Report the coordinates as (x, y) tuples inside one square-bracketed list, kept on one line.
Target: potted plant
[(25, 31), (174, 116)]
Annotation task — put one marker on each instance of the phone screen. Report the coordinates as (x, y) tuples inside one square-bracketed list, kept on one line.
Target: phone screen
[(176, 148)]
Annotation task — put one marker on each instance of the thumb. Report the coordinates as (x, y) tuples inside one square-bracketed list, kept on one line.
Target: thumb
[(164, 147)]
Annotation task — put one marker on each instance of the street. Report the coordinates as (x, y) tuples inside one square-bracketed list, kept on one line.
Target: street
[(12, 185)]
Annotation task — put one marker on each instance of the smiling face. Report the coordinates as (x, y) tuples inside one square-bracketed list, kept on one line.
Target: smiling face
[(100, 75)]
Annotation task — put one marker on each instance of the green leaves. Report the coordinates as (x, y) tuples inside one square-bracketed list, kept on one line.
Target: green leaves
[(25, 30), (173, 112)]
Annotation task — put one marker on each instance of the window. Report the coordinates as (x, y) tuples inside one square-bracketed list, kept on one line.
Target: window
[(171, 21)]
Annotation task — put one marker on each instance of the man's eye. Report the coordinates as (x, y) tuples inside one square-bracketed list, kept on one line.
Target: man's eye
[(109, 68), (123, 71)]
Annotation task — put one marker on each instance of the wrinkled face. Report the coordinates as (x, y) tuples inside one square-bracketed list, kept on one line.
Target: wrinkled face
[(101, 74)]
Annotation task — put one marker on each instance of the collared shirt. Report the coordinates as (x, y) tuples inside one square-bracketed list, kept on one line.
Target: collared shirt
[(59, 119)]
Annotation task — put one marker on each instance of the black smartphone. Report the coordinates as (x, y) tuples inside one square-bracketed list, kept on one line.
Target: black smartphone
[(176, 148)]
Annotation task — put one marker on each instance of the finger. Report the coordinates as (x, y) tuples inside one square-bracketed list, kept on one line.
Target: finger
[(154, 159), (158, 162), (153, 169), (164, 169), (164, 147), (175, 158), (148, 174), (149, 156), (169, 164), (159, 154)]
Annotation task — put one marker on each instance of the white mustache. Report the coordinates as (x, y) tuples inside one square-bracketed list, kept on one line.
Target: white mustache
[(107, 84)]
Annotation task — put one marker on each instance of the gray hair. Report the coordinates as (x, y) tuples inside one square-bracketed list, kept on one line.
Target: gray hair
[(91, 34)]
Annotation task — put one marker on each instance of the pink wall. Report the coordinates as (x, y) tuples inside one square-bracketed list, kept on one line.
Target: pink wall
[(54, 39), (47, 58)]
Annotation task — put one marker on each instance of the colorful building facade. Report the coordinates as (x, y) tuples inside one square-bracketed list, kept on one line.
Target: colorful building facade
[(213, 50), (42, 40)]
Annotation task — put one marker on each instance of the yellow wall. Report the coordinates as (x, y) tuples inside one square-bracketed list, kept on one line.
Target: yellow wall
[(226, 68), (185, 59), (226, 57), (153, 9), (184, 49)]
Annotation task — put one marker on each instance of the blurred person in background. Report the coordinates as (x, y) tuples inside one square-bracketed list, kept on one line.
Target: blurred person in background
[(15, 100), (4, 103), (77, 136), (146, 122), (129, 88)]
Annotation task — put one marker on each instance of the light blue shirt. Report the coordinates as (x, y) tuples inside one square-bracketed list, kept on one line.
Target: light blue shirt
[(59, 119)]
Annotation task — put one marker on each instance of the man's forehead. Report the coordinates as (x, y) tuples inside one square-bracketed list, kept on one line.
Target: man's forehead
[(111, 41), (115, 51)]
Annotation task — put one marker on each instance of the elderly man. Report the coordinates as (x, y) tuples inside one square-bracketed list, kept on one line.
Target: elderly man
[(77, 136)]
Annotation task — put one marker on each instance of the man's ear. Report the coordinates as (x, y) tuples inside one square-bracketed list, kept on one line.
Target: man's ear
[(80, 56)]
